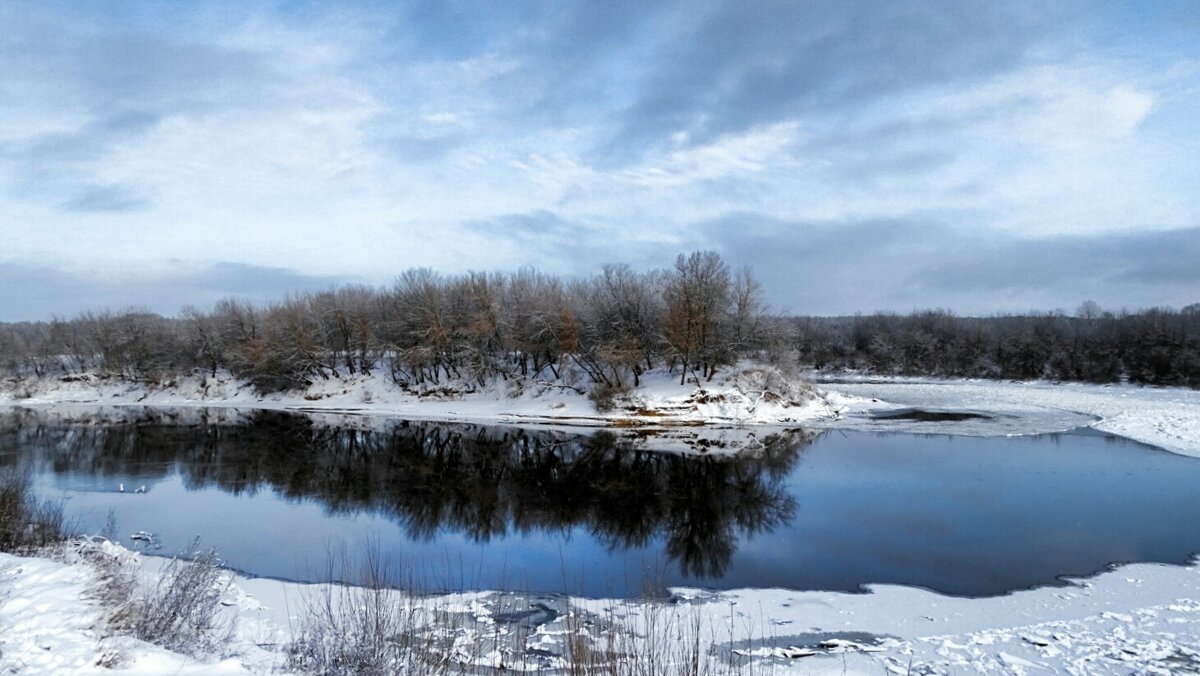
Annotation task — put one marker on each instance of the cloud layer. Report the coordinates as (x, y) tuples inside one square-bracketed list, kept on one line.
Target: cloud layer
[(826, 267), (956, 147), (34, 292)]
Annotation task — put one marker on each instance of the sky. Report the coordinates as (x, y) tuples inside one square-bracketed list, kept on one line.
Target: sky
[(983, 157)]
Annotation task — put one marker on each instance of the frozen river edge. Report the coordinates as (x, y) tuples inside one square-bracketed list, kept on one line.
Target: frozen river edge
[(1136, 618)]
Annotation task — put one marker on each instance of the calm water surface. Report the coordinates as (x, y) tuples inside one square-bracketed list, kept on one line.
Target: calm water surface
[(485, 507)]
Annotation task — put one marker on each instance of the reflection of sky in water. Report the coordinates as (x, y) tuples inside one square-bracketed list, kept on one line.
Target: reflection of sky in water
[(977, 515), (958, 514)]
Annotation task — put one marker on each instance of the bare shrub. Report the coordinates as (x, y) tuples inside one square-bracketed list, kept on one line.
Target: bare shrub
[(27, 525), (116, 583), (604, 395), (181, 609), (773, 384)]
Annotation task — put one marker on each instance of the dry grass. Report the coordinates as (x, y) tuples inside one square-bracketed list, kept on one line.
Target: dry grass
[(27, 525), (647, 412), (179, 608), (668, 640), (375, 628), (369, 628)]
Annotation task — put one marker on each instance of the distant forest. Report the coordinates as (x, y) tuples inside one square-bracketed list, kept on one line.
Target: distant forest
[(1159, 346), (597, 334)]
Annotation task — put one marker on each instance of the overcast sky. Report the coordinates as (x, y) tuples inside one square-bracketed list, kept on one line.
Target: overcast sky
[(979, 156)]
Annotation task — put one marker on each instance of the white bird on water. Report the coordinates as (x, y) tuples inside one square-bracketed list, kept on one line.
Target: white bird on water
[(120, 488), (141, 489)]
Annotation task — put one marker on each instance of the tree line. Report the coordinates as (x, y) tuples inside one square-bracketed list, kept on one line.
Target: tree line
[(600, 332), (596, 334), (1159, 346)]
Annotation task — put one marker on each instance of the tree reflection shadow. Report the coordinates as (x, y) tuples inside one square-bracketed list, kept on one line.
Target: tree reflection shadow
[(482, 481)]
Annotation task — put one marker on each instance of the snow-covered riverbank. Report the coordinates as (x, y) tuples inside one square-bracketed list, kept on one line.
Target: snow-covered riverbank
[(1163, 417), (1168, 418), (746, 395), (1139, 618)]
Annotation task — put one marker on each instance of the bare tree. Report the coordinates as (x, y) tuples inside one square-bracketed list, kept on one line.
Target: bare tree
[(204, 339), (698, 297), (421, 336)]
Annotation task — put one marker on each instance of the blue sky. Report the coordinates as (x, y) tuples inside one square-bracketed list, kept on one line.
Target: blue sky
[(983, 157)]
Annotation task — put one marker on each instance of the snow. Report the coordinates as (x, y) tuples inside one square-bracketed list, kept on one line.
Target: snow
[(1163, 417), (1073, 629), (1142, 618), (1168, 418), (744, 395), (51, 623), (1136, 618)]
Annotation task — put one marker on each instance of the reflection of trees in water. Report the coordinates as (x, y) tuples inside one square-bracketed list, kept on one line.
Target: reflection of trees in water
[(482, 481)]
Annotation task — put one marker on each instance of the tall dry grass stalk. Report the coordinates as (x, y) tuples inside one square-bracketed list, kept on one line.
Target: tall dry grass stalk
[(371, 626)]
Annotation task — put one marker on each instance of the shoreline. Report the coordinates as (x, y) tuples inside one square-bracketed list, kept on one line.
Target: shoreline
[(1139, 617), (659, 402), (1167, 418)]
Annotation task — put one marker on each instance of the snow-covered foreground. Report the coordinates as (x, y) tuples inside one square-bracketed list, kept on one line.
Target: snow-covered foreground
[(52, 623), (1138, 618), (1135, 619)]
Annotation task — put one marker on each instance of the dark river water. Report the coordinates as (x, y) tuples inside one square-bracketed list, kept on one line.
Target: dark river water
[(490, 507)]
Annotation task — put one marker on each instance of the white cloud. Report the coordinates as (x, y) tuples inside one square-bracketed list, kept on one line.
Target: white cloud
[(1079, 116), (442, 118), (324, 147), (1127, 107), (749, 152), (1057, 106)]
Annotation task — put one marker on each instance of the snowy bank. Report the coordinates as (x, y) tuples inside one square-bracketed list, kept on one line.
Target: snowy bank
[(745, 395), (1138, 618), (52, 622), (1168, 418)]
